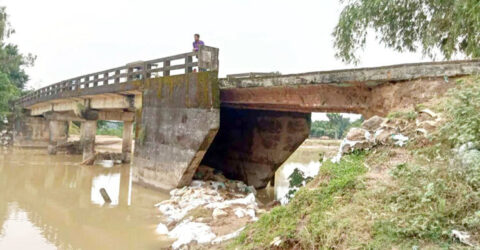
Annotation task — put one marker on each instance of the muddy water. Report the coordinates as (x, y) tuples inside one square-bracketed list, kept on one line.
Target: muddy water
[(50, 202)]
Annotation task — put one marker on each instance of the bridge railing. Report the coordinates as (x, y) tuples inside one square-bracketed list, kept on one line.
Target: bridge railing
[(206, 58)]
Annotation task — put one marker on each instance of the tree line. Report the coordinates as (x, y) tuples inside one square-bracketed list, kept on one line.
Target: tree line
[(12, 67), (335, 127)]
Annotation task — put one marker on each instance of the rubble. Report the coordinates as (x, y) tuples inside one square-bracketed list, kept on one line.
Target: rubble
[(6, 137), (463, 237), (201, 212), (373, 123)]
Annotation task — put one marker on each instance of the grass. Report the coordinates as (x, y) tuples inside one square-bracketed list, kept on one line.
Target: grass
[(300, 223)]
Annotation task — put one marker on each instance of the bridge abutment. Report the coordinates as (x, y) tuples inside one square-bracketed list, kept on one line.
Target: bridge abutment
[(252, 144), (178, 120), (58, 134)]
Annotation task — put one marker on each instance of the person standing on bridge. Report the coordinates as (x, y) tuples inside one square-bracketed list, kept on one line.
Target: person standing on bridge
[(197, 42), (196, 46)]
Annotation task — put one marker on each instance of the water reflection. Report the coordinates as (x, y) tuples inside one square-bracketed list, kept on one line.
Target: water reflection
[(49, 202), (281, 176)]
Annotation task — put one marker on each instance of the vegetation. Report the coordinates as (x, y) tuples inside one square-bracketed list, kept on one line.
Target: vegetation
[(301, 222), (12, 67), (110, 128), (335, 127), (447, 26), (399, 198)]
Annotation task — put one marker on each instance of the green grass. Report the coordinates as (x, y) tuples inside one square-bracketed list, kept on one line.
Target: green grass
[(407, 115), (301, 221), (110, 131)]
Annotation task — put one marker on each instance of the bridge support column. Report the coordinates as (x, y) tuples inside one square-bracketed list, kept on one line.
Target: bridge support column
[(252, 144), (58, 135), (127, 140), (88, 131)]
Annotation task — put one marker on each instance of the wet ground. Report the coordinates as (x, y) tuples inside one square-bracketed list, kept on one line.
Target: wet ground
[(52, 202)]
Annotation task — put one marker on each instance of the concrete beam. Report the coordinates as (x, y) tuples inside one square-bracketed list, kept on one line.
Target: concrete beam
[(98, 115), (366, 76), (306, 98), (96, 102)]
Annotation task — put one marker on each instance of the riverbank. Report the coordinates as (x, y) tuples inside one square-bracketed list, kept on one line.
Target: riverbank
[(411, 183)]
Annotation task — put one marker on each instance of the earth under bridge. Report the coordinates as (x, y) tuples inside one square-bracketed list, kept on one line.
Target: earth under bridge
[(245, 125)]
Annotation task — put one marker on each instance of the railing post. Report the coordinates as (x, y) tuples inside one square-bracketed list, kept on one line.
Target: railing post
[(188, 68), (117, 76), (146, 70), (105, 78), (166, 70), (95, 80)]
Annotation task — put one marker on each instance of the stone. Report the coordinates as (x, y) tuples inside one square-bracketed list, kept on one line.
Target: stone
[(358, 134), (373, 123), (383, 136), (217, 213), (428, 125)]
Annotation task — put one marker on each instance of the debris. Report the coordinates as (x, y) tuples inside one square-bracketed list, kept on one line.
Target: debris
[(161, 229), (218, 212), (358, 134), (90, 160), (227, 236), (463, 237), (399, 140), (276, 241), (429, 112), (105, 196), (188, 231), (209, 197), (373, 123), (422, 131)]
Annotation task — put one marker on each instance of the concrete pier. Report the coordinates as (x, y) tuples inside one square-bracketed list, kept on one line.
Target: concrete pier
[(252, 144), (58, 131), (127, 140), (88, 131)]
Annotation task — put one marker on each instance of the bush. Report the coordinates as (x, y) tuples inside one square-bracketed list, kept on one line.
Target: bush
[(463, 109)]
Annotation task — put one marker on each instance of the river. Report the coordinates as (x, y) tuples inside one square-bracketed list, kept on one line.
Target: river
[(51, 202)]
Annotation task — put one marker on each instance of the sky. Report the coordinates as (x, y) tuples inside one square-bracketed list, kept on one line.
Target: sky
[(73, 38)]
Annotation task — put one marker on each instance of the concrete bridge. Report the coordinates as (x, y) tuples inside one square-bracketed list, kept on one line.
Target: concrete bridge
[(246, 125)]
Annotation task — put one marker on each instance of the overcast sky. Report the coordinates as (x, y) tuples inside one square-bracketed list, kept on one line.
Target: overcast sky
[(72, 38)]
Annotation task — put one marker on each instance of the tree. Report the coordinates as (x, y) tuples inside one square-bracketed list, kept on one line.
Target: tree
[(446, 26), (339, 124), (335, 127), (12, 66)]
